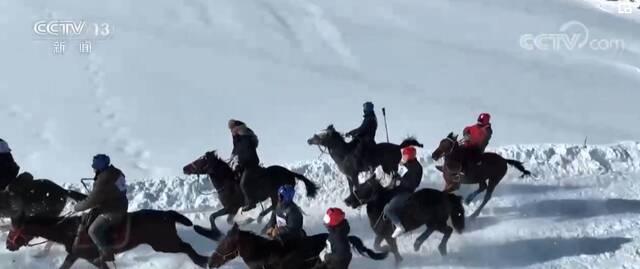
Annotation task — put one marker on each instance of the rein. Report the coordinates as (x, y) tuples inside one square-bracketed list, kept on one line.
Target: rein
[(21, 235)]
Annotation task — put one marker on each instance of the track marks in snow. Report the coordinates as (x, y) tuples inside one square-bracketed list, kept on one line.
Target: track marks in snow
[(108, 110), (331, 35)]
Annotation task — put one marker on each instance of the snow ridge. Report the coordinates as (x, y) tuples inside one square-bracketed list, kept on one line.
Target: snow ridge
[(546, 161)]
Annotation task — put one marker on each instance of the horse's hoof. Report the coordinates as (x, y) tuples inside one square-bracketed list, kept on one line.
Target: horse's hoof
[(443, 250), (416, 246)]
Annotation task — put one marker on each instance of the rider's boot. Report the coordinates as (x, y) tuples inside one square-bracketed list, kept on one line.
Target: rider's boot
[(398, 231)]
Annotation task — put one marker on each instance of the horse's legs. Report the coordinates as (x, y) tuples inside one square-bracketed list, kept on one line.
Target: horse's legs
[(214, 232), (193, 255), (482, 187), (487, 196), (171, 243), (230, 218), (377, 243), (68, 261), (447, 231), (393, 247), (423, 237), (265, 212)]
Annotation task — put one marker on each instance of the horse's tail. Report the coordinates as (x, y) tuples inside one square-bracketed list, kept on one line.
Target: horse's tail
[(179, 218), (312, 188), (410, 141), (356, 242), (518, 165), (457, 212), (76, 196)]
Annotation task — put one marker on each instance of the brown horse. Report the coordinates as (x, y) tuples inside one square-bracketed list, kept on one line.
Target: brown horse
[(261, 253), (487, 173), (155, 228), (227, 185)]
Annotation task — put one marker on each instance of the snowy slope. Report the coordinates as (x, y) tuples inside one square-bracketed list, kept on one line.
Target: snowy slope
[(158, 91), (580, 209)]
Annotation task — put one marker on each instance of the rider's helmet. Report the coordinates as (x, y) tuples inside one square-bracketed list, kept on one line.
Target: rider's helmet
[(101, 162), (4, 147), (286, 193), (484, 119), (409, 153), (334, 217), (367, 107)]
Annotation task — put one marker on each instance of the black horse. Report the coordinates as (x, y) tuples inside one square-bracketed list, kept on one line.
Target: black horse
[(428, 207), (387, 155), (41, 197), (152, 227), (228, 187), (456, 170), (260, 253)]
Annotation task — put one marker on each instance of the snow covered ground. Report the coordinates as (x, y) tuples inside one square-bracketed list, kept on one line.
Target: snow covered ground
[(156, 92)]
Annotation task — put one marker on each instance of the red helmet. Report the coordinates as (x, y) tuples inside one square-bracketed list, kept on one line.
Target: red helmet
[(334, 217), (484, 118), (409, 153)]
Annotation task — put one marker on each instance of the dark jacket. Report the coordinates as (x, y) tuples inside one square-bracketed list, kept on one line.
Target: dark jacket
[(8, 169), (339, 248), (367, 130), (108, 195), (245, 144), (412, 178), (289, 222)]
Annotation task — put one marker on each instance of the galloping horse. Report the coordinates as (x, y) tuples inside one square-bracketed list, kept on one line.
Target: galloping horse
[(155, 228), (426, 207), (492, 168), (387, 155), (261, 253), (228, 187)]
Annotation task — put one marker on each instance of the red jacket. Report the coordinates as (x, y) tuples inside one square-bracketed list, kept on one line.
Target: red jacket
[(477, 136)]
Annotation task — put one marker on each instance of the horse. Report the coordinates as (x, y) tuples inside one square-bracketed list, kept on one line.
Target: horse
[(152, 227), (491, 168), (258, 252), (428, 207), (387, 155), (228, 187), (42, 198)]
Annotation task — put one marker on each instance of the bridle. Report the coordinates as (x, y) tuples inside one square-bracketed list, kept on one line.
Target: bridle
[(225, 256), (361, 201), (19, 234)]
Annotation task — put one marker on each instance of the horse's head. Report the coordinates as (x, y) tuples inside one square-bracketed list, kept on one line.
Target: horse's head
[(326, 138), (364, 193), (18, 236), (446, 146), (227, 250), (210, 164)]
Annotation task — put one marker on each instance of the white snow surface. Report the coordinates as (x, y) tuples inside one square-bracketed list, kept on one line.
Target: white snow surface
[(578, 211), (158, 92)]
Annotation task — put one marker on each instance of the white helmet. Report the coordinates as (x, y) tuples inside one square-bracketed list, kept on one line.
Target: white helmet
[(4, 147)]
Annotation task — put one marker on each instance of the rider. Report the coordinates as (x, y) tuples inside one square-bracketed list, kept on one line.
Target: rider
[(107, 200), (287, 224), (410, 177), (8, 167), (366, 133), (245, 155), (476, 137), (337, 254)]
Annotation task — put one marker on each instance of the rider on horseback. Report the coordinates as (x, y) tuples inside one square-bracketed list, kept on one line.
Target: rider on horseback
[(408, 182), (287, 224), (476, 138), (366, 134), (107, 200), (337, 254), (245, 155), (8, 167)]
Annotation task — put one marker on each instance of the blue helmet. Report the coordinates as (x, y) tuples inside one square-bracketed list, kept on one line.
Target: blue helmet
[(367, 107), (286, 193), (101, 162)]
